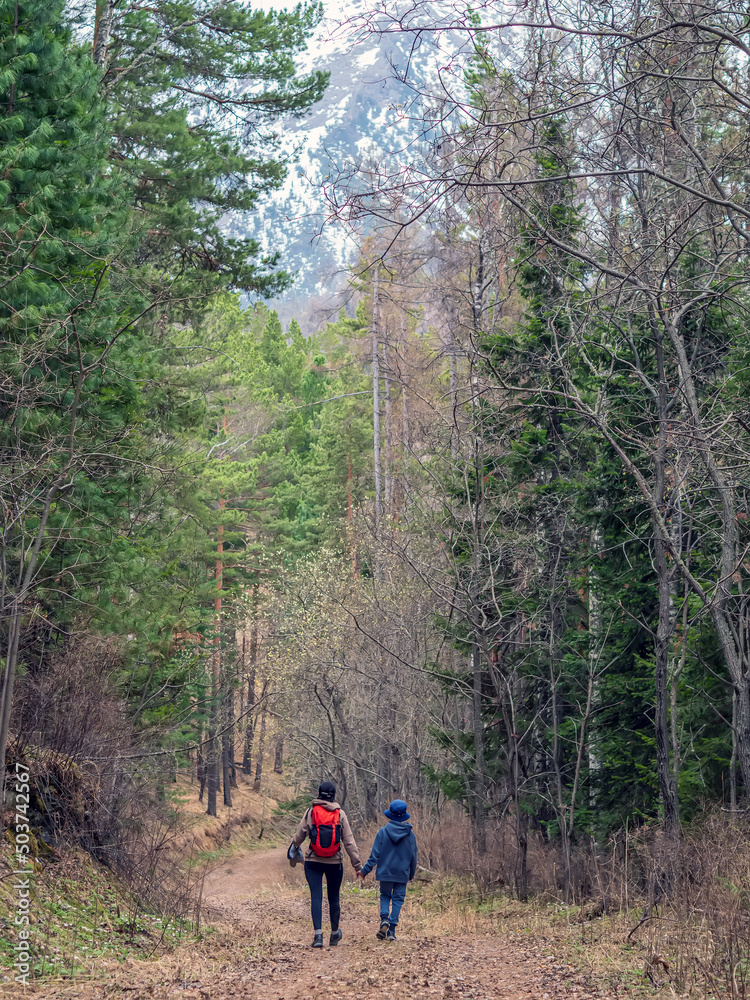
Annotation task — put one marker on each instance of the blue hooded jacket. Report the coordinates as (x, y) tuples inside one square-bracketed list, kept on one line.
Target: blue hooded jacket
[(394, 851)]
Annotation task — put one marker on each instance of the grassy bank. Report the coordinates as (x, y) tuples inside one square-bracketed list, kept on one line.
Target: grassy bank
[(81, 915)]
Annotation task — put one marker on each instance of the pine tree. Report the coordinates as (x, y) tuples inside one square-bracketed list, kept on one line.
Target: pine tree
[(63, 218), (194, 90)]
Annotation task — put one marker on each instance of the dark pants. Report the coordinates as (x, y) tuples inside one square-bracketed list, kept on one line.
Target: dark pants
[(392, 896), (314, 872)]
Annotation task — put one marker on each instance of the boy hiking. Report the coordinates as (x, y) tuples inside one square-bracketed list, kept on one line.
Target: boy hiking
[(394, 851)]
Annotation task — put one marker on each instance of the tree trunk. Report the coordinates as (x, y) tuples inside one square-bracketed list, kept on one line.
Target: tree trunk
[(261, 749), (674, 680), (247, 753), (250, 722), (453, 390), (278, 757), (376, 400), (226, 770), (387, 457), (7, 694), (105, 10), (477, 498), (382, 784), (522, 867), (212, 768), (595, 632), (394, 750), (350, 518), (201, 772), (230, 737), (557, 761), (405, 433), (665, 622), (226, 762), (733, 758), (480, 828), (743, 733), (661, 719), (215, 747)]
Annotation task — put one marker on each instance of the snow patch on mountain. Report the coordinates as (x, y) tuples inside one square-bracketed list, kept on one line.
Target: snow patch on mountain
[(366, 114)]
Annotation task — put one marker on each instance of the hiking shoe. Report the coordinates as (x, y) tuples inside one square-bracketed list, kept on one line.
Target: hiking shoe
[(335, 938), (382, 933), (391, 935), (318, 940)]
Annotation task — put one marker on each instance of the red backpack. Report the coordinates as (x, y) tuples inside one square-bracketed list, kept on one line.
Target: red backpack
[(325, 831)]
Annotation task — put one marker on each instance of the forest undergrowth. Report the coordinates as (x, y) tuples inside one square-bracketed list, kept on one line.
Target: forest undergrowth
[(84, 916), (645, 908), (641, 910), (650, 914)]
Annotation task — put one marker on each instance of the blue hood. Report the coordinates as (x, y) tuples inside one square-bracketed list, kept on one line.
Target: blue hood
[(397, 831), (394, 853)]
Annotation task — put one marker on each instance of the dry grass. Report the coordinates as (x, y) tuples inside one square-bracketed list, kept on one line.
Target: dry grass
[(85, 914), (251, 816), (671, 913), (204, 959)]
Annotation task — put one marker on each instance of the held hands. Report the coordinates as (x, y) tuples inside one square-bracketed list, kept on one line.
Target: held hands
[(360, 874)]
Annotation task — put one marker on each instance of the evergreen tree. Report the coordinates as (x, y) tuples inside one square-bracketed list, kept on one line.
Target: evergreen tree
[(194, 90), (67, 338)]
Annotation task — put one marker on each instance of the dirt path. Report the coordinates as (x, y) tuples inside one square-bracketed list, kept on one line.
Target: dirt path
[(257, 947), (426, 962)]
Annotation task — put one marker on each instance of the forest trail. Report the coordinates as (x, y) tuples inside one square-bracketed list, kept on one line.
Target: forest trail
[(256, 941), (261, 889)]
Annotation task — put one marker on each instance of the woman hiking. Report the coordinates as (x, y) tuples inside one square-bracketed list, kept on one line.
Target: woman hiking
[(327, 826)]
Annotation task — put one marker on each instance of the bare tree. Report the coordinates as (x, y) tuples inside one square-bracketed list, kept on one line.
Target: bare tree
[(656, 98)]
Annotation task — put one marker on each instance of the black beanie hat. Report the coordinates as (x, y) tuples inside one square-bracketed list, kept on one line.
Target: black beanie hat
[(327, 791)]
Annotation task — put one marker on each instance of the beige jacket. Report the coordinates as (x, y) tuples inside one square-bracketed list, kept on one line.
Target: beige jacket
[(347, 837)]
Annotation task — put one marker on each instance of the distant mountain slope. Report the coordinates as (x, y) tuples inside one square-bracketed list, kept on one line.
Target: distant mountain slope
[(367, 113), (359, 118)]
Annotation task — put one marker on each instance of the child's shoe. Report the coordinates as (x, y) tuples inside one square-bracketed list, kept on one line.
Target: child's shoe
[(391, 935), (318, 940), (383, 932), (335, 938)]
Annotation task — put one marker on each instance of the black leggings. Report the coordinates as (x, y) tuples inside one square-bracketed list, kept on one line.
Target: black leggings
[(314, 872)]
